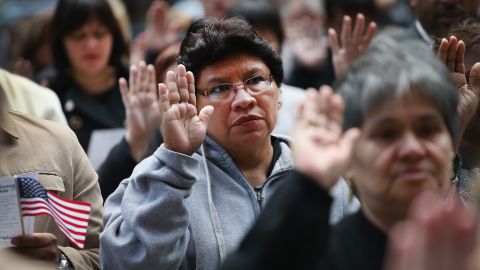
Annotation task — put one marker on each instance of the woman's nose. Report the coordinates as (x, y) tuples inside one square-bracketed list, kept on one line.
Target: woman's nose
[(91, 41), (242, 99), (411, 146)]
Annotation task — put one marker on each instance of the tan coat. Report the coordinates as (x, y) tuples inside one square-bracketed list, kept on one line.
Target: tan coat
[(12, 260), (24, 95), (53, 150)]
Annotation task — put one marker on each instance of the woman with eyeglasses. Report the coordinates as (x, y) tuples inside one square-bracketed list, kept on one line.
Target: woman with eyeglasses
[(190, 203)]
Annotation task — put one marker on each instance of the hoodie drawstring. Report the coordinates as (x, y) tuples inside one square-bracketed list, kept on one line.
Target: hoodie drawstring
[(213, 211)]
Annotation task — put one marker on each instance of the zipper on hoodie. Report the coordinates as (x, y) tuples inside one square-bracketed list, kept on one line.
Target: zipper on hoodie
[(259, 192)]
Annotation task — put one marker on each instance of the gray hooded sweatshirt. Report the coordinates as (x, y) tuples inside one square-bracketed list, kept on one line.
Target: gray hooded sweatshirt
[(183, 212)]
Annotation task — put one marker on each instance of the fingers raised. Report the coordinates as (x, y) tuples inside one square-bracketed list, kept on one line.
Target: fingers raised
[(359, 28), (191, 89), (443, 50), (346, 35), (151, 79), (171, 84), (163, 96), (371, 30), (452, 53), (122, 83), (133, 77), (460, 58), (182, 83)]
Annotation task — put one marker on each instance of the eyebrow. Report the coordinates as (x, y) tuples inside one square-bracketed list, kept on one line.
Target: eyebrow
[(424, 118), (222, 80)]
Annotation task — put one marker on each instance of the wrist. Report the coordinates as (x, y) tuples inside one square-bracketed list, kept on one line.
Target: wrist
[(138, 146), (318, 175)]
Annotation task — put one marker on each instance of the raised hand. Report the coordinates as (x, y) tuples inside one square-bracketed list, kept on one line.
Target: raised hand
[(183, 130), (436, 236), (452, 53), (351, 45), (40, 246), (161, 29), (319, 147), (142, 107)]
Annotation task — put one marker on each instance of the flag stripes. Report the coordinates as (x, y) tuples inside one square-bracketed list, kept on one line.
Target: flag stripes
[(70, 216)]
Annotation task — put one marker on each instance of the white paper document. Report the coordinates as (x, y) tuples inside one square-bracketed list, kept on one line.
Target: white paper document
[(101, 142), (10, 216)]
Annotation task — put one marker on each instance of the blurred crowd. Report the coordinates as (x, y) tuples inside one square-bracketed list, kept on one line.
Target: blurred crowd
[(253, 134)]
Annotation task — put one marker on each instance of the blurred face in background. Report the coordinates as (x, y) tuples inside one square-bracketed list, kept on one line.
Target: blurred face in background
[(89, 48), (217, 8), (436, 16), (304, 18), (404, 149)]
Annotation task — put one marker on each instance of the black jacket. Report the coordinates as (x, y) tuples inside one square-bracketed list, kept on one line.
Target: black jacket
[(119, 164), (86, 113), (293, 232)]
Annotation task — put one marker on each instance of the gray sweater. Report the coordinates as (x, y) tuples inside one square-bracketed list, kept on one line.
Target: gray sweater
[(182, 212)]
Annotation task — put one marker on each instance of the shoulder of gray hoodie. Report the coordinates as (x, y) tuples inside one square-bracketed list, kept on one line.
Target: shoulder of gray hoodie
[(187, 212)]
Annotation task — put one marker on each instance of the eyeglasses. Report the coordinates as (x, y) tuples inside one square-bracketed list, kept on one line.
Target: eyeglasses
[(254, 86)]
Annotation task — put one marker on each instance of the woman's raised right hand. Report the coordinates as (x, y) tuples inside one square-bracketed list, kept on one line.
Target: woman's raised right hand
[(183, 129), (319, 147)]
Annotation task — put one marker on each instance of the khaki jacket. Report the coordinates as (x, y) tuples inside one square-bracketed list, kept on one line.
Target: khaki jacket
[(53, 150), (12, 260), (24, 95)]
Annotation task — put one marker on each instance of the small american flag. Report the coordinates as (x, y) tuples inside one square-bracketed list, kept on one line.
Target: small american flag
[(70, 216)]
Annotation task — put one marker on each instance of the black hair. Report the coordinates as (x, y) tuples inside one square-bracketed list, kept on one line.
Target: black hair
[(210, 40)]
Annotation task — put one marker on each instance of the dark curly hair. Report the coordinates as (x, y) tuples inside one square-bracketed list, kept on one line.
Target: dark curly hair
[(210, 40)]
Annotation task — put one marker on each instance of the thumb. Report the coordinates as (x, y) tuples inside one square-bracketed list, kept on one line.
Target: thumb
[(474, 78), (205, 114), (347, 141)]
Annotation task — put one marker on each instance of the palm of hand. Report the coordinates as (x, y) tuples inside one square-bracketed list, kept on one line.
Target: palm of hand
[(319, 151), (161, 29), (344, 57), (143, 113), (183, 130), (468, 98), (319, 148), (352, 43), (452, 53)]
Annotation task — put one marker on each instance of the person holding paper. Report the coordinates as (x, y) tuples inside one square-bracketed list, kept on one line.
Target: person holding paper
[(33, 145)]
